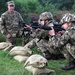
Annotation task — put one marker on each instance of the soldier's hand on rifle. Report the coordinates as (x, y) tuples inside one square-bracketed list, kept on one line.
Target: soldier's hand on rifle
[(59, 33), (27, 26), (38, 29), (51, 32), (8, 36)]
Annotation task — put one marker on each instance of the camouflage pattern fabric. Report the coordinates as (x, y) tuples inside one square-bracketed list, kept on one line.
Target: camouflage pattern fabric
[(11, 3), (43, 35), (67, 43), (46, 15), (10, 24), (67, 18)]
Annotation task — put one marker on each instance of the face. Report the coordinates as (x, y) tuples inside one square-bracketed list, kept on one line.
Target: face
[(43, 22), (11, 8), (66, 25)]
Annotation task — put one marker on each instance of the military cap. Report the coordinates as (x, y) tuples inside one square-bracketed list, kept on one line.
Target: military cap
[(10, 3), (67, 18)]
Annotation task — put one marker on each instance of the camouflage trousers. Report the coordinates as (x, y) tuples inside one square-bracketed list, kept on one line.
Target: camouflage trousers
[(69, 52), (25, 38), (35, 42), (11, 40), (32, 43), (42, 46)]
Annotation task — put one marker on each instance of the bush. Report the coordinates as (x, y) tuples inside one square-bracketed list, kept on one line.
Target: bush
[(2, 38)]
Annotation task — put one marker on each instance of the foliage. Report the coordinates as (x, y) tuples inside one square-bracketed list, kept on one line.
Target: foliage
[(64, 5), (9, 66), (47, 7), (3, 5), (34, 6), (2, 38), (73, 8), (59, 4), (25, 7)]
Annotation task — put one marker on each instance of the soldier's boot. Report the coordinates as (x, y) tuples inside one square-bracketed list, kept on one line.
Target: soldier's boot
[(70, 66), (47, 55)]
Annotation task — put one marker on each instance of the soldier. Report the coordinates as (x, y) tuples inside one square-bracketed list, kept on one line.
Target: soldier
[(10, 23), (66, 43), (42, 36), (46, 18)]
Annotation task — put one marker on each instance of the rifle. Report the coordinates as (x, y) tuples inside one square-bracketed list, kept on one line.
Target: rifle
[(24, 33), (24, 29), (35, 25), (56, 27)]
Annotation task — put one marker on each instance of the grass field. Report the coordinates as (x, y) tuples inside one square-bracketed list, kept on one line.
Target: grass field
[(9, 66)]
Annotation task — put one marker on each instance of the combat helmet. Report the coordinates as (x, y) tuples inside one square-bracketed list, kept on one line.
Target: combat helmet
[(67, 18), (46, 15)]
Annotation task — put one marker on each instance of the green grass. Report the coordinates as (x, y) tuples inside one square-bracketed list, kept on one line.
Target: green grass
[(2, 38), (9, 66)]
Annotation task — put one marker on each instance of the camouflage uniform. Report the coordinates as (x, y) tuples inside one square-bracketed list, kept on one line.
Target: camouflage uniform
[(43, 36), (41, 43), (46, 44), (10, 23), (53, 42), (69, 36), (66, 42)]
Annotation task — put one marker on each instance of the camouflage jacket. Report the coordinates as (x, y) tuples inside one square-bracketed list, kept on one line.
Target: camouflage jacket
[(44, 34), (9, 22), (67, 40)]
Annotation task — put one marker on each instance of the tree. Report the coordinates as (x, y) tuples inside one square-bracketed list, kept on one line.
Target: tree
[(3, 5), (59, 4)]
